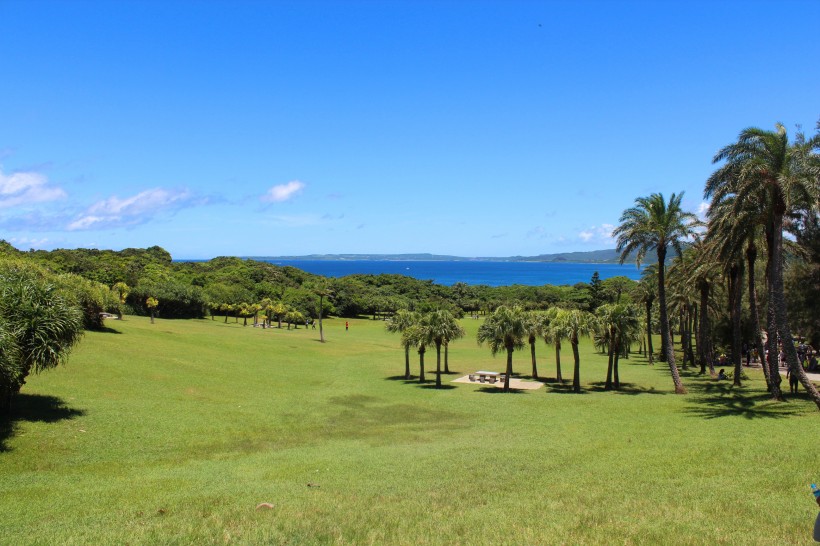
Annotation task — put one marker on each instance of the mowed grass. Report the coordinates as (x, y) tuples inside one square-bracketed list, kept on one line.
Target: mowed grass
[(174, 432)]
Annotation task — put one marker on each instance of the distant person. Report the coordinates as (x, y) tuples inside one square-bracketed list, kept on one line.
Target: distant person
[(722, 374), (793, 381), (347, 325)]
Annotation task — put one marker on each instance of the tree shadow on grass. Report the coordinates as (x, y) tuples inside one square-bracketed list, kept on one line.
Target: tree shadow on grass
[(712, 398), (34, 408), (432, 385), (749, 407), (106, 330), (500, 390), (562, 388), (625, 388)]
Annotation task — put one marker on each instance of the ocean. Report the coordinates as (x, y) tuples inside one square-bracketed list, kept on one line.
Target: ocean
[(469, 272)]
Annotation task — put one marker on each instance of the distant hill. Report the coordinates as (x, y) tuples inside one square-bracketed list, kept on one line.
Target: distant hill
[(593, 256)]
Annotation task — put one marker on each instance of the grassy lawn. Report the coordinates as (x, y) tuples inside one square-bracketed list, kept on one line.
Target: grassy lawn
[(173, 433)]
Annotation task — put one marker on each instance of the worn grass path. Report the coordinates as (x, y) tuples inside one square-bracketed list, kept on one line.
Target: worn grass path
[(172, 433)]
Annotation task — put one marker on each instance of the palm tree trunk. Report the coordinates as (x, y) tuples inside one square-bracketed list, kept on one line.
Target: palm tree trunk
[(576, 375), (610, 360), (407, 362), (704, 339), (617, 382), (321, 332), (446, 357), (438, 365), (509, 370), (649, 347), (735, 294), (781, 316), (421, 365), (772, 359), (558, 376), (665, 337), (532, 355), (751, 257)]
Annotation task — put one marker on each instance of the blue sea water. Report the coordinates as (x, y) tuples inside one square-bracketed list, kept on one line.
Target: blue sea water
[(469, 272)]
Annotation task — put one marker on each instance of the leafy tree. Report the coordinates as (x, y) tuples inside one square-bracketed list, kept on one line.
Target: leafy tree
[(654, 224), (504, 329), (596, 292)]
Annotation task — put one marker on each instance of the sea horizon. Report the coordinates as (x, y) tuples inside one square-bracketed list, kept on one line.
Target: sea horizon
[(471, 272)]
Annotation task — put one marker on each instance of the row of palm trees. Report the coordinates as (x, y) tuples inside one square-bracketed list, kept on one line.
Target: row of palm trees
[(510, 328), (764, 182)]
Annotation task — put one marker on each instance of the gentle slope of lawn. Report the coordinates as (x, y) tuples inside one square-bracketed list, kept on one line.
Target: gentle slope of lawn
[(174, 432)]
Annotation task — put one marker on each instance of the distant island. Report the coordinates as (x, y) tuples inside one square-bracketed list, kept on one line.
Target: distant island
[(606, 256)]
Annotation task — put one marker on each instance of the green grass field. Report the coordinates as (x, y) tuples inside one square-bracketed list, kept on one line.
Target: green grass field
[(174, 432)]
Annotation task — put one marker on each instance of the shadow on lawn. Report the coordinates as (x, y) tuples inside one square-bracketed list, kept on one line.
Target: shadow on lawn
[(712, 399), (625, 388), (35, 408)]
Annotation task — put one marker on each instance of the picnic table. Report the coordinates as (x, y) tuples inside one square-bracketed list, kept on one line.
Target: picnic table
[(486, 377)]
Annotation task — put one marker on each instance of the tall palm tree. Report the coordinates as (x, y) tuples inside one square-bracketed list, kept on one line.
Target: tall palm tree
[(401, 321), (619, 328), (654, 224), (766, 173), (553, 335), (645, 292), (536, 325), (442, 328), (504, 329), (416, 336), (574, 323)]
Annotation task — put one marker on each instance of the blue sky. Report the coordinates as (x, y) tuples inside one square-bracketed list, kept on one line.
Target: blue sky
[(470, 128)]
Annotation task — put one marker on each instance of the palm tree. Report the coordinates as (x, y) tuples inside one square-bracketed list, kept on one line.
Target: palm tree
[(553, 334), (416, 336), (504, 329), (573, 323), (323, 291), (441, 327), (763, 172), (645, 292), (619, 328), (152, 303), (654, 224), (401, 321), (536, 324), (121, 290)]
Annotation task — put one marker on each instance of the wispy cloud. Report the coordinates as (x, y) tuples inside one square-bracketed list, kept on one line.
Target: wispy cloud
[(283, 192), (26, 242), (27, 188), (598, 234), (131, 211), (703, 210)]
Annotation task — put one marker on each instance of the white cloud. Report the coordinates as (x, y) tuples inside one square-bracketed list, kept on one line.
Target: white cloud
[(598, 234), (703, 210), (283, 192), (115, 212), (26, 188), (23, 242)]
